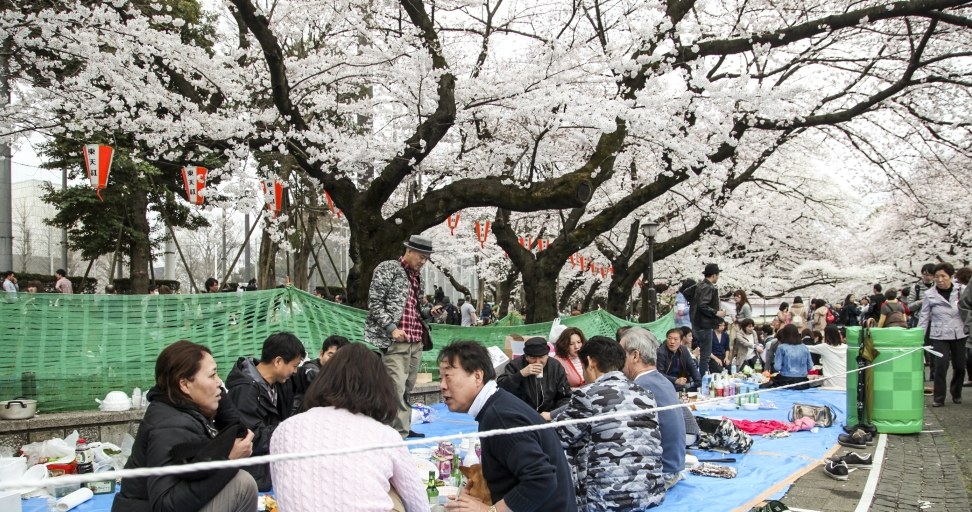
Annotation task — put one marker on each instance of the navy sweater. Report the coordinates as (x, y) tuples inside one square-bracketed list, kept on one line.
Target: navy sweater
[(529, 470)]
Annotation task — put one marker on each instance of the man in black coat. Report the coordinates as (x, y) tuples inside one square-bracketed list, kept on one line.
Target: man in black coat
[(706, 311), (263, 393), (536, 379)]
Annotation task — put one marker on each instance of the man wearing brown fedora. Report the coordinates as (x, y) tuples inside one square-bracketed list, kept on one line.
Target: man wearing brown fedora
[(394, 324)]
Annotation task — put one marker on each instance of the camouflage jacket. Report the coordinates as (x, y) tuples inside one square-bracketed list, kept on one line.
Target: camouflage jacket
[(617, 463), (386, 302)]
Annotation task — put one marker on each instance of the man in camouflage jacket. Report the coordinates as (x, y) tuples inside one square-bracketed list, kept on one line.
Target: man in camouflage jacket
[(617, 463), (394, 324)]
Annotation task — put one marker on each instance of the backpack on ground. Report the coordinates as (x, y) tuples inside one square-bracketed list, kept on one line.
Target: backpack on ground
[(722, 435)]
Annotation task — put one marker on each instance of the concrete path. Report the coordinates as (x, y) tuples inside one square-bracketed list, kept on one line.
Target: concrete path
[(930, 471)]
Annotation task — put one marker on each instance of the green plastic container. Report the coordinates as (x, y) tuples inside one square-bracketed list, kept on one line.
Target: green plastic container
[(899, 405)]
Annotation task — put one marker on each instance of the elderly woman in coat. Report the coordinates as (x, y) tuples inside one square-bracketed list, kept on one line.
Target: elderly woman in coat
[(941, 320), (617, 463)]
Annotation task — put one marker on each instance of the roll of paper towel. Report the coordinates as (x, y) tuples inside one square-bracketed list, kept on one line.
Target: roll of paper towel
[(74, 499)]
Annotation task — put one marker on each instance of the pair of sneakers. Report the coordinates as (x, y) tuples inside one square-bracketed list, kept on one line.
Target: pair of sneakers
[(838, 467), (857, 439)]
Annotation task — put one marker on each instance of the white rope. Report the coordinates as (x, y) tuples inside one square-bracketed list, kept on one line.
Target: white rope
[(261, 459)]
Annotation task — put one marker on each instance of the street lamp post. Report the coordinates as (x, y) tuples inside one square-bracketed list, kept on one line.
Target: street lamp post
[(650, 229)]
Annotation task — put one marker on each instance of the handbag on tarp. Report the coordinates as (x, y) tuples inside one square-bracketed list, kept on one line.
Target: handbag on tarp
[(822, 415)]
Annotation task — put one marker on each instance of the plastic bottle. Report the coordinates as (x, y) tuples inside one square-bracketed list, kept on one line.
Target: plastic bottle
[(84, 457), (758, 366), (471, 458), (733, 369)]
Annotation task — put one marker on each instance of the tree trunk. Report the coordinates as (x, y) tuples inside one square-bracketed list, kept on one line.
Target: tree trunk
[(589, 296), (140, 249), (505, 293), (541, 295), (306, 230), (266, 261)]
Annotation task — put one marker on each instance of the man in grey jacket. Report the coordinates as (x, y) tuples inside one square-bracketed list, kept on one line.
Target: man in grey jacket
[(394, 323)]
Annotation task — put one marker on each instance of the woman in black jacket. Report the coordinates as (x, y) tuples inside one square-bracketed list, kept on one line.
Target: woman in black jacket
[(183, 422)]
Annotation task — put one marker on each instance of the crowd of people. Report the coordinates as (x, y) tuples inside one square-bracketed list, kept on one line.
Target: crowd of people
[(358, 394)]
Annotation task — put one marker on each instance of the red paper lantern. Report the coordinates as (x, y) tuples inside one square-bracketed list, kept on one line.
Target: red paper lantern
[(273, 192), (482, 232), (330, 205), (453, 222), (194, 178), (97, 161)]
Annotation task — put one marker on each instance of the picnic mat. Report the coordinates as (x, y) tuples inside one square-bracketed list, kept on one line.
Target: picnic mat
[(764, 472)]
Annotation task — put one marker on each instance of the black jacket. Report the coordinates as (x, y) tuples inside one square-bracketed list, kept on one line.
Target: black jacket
[(703, 307), (528, 470), (164, 426), (551, 392), (686, 367), (302, 380), (258, 413)]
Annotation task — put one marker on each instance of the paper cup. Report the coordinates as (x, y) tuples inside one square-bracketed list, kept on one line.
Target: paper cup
[(447, 492)]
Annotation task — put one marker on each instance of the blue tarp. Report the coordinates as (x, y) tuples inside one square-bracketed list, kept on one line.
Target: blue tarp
[(769, 462)]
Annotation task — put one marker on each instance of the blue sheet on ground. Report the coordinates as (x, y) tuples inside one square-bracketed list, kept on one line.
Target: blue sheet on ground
[(769, 462)]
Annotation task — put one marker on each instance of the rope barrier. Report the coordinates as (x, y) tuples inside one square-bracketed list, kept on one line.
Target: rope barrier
[(261, 459)]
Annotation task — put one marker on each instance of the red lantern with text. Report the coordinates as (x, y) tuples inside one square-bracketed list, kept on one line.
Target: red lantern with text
[(330, 205), (97, 161), (453, 222), (482, 232), (194, 178), (273, 192)]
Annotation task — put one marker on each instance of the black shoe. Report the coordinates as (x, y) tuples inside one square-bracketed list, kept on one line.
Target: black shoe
[(938, 404), (855, 460), (412, 433), (967, 384), (956, 400), (836, 470), (856, 440)]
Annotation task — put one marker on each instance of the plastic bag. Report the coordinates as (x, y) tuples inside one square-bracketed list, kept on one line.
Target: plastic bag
[(50, 450), (421, 413), (556, 330)]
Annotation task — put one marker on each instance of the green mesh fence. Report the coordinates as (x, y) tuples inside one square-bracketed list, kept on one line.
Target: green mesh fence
[(67, 350)]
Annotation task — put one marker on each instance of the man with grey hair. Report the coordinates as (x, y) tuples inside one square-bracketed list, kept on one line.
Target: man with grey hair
[(394, 325), (640, 347)]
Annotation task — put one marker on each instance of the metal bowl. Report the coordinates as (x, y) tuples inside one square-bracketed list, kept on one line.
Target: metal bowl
[(18, 409)]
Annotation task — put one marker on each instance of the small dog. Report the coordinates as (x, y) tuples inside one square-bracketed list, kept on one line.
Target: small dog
[(476, 484)]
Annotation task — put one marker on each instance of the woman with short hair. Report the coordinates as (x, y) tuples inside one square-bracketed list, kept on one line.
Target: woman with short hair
[(350, 404), (189, 418), (944, 327)]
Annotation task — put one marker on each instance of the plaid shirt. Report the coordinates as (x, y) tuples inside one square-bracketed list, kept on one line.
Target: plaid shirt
[(410, 316)]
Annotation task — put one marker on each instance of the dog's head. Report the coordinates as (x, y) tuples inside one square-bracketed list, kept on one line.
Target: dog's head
[(476, 484)]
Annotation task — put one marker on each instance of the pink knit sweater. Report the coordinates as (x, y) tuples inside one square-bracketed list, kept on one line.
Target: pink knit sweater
[(349, 483)]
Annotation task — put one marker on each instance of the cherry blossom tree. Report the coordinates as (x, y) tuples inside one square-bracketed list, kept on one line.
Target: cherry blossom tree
[(408, 112)]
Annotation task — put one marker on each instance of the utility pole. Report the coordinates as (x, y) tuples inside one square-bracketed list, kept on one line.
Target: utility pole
[(64, 231), (6, 197)]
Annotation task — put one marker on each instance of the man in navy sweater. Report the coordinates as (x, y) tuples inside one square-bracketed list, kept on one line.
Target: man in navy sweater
[(525, 472)]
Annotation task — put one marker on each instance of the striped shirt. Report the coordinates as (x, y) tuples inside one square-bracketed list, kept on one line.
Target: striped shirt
[(410, 322)]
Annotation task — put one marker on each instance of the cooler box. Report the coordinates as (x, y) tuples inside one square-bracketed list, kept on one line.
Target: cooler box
[(899, 405)]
